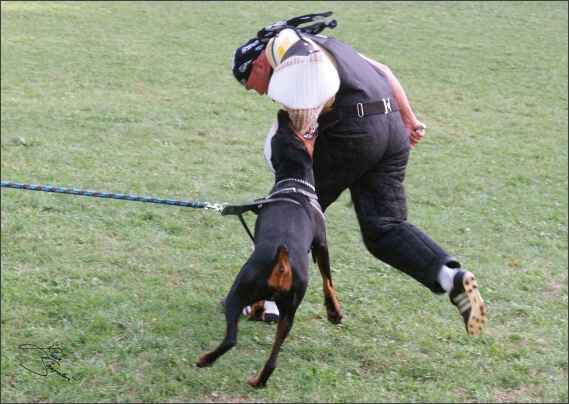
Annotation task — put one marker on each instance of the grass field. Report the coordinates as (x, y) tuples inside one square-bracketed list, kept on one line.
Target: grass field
[(138, 98)]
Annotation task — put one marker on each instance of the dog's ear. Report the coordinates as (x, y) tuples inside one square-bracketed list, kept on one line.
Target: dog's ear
[(283, 118)]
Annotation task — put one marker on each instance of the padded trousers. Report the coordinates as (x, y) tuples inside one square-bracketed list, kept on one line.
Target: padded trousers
[(369, 157)]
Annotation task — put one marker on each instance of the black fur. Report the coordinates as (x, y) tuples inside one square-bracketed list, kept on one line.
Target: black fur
[(284, 234)]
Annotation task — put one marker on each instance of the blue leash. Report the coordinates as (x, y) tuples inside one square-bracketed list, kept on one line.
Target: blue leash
[(73, 191)]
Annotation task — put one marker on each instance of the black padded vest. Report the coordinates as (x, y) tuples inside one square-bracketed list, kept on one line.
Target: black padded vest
[(359, 80)]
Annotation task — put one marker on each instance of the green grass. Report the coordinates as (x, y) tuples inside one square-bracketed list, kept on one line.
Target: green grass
[(138, 98)]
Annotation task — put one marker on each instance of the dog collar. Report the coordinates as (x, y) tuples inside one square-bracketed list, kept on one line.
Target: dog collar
[(308, 184)]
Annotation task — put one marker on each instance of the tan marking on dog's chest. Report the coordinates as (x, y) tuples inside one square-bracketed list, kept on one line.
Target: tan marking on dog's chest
[(281, 276), (308, 143)]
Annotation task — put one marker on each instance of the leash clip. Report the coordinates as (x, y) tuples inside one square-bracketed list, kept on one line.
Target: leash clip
[(215, 206)]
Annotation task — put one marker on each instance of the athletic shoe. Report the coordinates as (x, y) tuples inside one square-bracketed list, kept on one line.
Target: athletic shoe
[(466, 296), (271, 310)]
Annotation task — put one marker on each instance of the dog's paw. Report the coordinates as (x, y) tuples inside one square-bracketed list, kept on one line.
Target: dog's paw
[(257, 315), (203, 362), (256, 383), (333, 310), (335, 318)]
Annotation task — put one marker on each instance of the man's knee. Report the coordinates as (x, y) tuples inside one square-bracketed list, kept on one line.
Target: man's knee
[(407, 248), (375, 231)]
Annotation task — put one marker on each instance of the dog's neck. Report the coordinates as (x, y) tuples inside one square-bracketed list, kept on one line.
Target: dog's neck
[(295, 174), (295, 180), (295, 185)]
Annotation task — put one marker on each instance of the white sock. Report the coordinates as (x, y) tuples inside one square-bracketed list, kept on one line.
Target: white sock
[(446, 278)]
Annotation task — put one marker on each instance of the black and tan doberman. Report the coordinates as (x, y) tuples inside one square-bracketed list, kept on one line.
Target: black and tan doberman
[(290, 223)]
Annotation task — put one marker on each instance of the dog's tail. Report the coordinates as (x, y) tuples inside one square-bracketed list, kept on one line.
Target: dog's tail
[(281, 276)]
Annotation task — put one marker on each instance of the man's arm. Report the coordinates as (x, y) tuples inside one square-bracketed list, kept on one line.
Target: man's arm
[(411, 123)]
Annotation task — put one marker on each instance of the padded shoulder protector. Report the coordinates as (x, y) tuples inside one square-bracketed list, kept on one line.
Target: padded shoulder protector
[(268, 150), (304, 77), (282, 42)]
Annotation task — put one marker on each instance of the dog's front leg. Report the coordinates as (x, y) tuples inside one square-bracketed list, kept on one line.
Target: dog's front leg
[(257, 312), (333, 309)]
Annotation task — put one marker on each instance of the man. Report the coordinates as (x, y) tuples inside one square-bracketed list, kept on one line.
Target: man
[(366, 129)]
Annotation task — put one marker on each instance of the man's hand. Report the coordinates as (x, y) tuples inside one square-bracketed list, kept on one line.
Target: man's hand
[(416, 134)]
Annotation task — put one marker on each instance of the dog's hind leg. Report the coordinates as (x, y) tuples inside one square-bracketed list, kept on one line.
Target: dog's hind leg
[(232, 313), (333, 309), (289, 294), (286, 319)]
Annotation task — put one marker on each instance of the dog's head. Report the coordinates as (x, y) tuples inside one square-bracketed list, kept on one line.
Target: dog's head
[(288, 145)]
